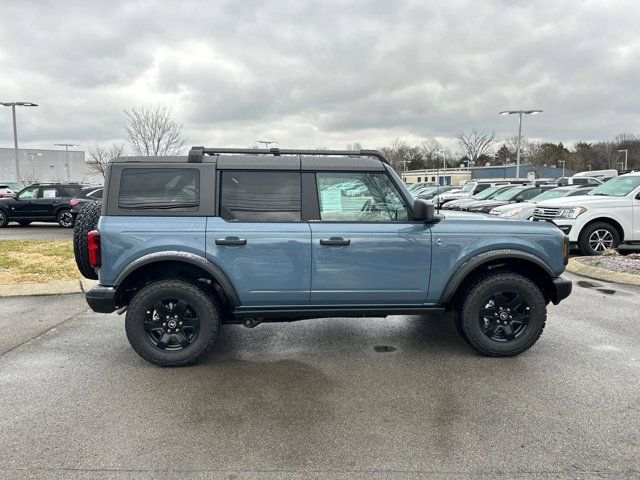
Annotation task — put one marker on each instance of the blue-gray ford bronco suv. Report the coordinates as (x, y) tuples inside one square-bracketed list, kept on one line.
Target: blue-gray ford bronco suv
[(183, 244)]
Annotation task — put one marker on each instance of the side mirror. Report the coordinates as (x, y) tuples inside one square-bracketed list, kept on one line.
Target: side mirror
[(423, 210), (519, 199)]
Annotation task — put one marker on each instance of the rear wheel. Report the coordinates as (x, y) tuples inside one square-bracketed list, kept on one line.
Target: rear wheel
[(4, 218), (502, 315), (598, 237), (86, 221), (65, 218), (172, 323)]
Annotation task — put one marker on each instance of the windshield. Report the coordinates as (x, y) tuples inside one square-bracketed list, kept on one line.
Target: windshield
[(468, 187), (508, 194), (485, 193), (549, 194), (617, 187)]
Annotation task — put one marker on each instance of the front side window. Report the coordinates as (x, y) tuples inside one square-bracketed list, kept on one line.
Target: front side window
[(374, 200), (159, 188), (28, 193), (529, 194), (259, 196)]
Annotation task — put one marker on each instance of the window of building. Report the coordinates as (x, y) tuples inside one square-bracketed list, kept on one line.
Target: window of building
[(260, 196)]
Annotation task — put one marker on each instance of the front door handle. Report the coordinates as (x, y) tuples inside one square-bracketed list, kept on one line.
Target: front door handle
[(231, 241), (335, 241)]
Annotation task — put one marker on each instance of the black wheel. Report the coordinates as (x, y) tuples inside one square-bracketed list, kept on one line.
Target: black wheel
[(172, 323), (598, 237), (24, 223), (503, 315), (86, 221), (4, 218), (65, 218)]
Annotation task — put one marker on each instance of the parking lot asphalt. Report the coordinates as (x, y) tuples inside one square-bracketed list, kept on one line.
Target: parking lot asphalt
[(36, 231), (322, 399)]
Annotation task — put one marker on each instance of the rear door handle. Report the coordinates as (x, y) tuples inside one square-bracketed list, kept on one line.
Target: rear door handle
[(335, 241), (231, 241)]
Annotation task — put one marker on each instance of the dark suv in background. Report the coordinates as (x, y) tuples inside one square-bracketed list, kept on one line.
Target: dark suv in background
[(88, 194), (40, 202)]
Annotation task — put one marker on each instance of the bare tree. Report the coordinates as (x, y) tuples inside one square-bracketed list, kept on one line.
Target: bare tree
[(99, 157), (430, 148), (152, 131), (476, 144), (398, 154)]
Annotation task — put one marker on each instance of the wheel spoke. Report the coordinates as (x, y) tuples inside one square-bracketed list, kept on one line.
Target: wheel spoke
[(515, 302), (164, 341), (522, 318), (162, 309), (190, 322), (179, 308), (490, 331), (183, 340), (508, 332)]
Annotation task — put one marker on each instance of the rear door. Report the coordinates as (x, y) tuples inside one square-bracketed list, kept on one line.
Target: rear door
[(259, 238), (365, 249), (49, 198)]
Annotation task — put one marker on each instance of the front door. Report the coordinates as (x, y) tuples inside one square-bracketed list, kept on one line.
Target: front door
[(365, 249), (24, 205), (259, 239)]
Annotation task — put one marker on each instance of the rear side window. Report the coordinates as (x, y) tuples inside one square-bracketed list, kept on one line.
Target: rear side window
[(260, 196), (159, 188), (68, 191)]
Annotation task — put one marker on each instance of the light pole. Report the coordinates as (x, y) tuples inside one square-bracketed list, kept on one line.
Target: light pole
[(13, 106), (626, 153), (33, 167), (519, 113), (66, 147), (563, 162)]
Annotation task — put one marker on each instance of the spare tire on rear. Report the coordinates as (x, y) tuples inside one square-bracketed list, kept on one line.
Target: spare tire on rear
[(86, 221)]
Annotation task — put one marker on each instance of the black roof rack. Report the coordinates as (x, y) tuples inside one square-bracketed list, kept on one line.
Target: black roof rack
[(197, 153)]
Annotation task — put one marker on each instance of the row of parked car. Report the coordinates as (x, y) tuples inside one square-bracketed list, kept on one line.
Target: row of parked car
[(595, 215), (45, 202)]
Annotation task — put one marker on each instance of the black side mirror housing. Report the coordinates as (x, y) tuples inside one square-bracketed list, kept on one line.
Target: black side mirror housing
[(423, 210), (519, 199)]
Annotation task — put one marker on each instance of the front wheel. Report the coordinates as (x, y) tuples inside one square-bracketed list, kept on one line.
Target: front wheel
[(4, 218), (172, 323), (502, 315), (598, 237), (65, 218)]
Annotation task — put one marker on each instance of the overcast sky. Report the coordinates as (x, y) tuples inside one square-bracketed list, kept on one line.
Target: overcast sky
[(320, 74)]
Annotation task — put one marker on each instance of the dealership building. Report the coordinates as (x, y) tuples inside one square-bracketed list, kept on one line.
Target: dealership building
[(457, 176), (39, 165)]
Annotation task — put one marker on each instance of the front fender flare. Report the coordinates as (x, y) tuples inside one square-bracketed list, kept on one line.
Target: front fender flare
[(184, 257), (461, 273)]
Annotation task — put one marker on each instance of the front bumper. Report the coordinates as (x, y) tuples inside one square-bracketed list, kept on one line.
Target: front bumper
[(102, 299), (561, 289)]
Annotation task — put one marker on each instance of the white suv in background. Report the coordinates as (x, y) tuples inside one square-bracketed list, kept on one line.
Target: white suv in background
[(607, 216)]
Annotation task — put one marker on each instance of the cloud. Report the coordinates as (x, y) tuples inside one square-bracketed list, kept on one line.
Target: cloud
[(320, 73)]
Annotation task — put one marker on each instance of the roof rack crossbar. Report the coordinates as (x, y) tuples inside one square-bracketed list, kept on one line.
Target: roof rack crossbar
[(196, 153)]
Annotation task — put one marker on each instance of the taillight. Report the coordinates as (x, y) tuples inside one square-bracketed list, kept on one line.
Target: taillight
[(93, 241), (74, 202)]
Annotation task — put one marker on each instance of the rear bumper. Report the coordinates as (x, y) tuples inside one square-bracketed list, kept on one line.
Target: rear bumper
[(102, 299), (561, 289)]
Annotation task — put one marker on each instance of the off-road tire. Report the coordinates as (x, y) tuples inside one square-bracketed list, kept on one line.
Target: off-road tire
[(4, 218), (64, 218), (585, 234), (86, 221), (468, 321), (207, 311)]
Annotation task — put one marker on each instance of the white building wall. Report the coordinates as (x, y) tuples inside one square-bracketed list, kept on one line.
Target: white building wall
[(51, 166)]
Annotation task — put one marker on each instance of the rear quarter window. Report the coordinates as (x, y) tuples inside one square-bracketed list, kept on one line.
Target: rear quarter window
[(159, 188)]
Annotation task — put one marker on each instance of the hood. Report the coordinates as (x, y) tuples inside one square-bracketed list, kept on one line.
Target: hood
[(584, 201), (490, 203), (514, 206), (472, 216)]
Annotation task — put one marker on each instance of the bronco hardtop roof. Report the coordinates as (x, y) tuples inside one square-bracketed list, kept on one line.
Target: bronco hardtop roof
[(250, 158)]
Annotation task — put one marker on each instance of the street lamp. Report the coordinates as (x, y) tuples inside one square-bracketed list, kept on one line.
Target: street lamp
[(13, 106), (519, 113), (33, 168), (563, 162), (66, 147), (266, 143), (626, 152)]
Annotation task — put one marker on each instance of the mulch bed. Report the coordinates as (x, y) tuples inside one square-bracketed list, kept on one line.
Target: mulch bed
[(615, 263)]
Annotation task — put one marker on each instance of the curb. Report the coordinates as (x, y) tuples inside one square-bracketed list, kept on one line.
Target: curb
[(601, 274), (51, 288)]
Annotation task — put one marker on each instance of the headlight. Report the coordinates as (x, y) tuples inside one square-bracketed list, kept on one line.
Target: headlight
[(572, 212), (512, 213)]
